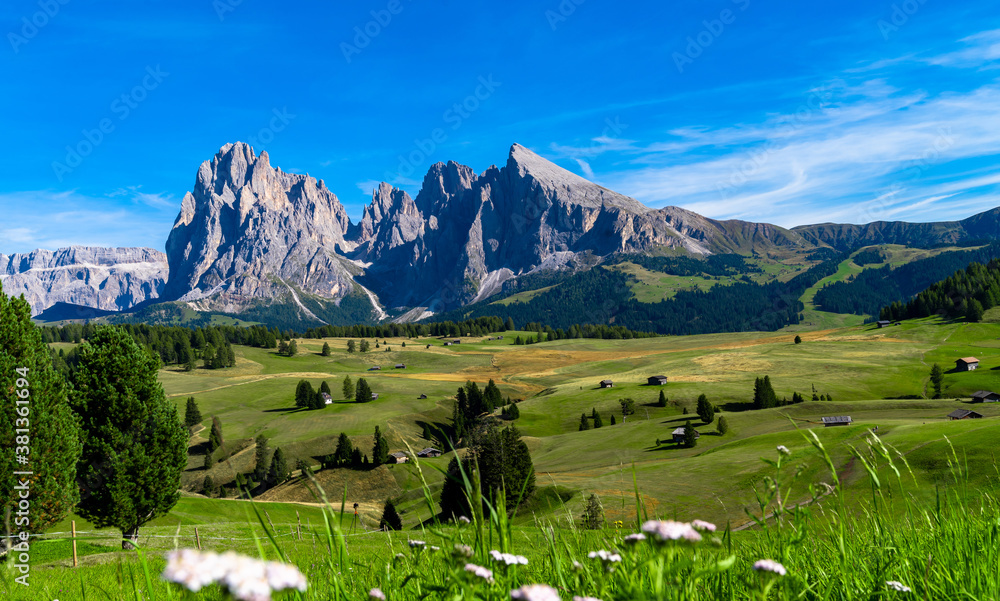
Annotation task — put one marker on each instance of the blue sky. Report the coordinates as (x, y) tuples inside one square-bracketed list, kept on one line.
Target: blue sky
[(786, 112)]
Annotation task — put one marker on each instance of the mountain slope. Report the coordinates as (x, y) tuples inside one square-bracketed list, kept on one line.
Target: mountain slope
[(109, 279)]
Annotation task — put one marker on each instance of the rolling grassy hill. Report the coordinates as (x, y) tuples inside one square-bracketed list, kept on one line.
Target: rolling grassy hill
[(858, 366)]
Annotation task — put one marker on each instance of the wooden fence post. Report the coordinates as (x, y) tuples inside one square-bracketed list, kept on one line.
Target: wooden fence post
[(73, 523), (197, 537), (298, 519)]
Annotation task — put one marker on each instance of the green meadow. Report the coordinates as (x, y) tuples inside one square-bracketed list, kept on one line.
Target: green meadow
[(879, 377)]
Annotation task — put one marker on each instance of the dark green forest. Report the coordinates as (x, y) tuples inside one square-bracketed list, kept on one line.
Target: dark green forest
[(966, 293), (872, 289)]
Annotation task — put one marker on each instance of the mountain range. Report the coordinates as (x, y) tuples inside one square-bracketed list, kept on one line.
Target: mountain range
[(250, 236)]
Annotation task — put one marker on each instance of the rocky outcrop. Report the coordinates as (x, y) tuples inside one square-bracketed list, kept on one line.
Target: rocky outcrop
[(109, 279), (248, 233), (481, 230)]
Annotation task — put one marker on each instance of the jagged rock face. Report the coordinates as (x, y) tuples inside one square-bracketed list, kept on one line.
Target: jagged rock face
[(481, 230), (249, 231), (110, 279)]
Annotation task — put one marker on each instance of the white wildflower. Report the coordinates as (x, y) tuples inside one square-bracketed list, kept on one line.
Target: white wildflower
[(535, 592), (376, 594), (192, 569), (484, 573), (245, 578), (416, 544), (585, 599), (577, 566), (897, 586), (783, 450), (669, 530), (462, 551), (703, 526), (769, 565), (508, 558), (433, 548), (635, 538), (463, 520), (605, 556)]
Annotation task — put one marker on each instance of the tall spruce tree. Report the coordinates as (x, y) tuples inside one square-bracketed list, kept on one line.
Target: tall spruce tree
[(35, 399), (348, 388), (135, 446), (261, 455), (326, 349), (390, 517), (380, 450), (363, 394), (690, 435), (215, 439), (342, 456), (279, 471), (192, 416), (705, 409), (937, 379)]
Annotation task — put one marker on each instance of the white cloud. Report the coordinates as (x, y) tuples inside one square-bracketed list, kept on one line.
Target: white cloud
[(54, 219)]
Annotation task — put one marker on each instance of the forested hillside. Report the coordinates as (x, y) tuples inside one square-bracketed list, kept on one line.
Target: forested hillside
[(875, 288), (967, 293), (603, 295)]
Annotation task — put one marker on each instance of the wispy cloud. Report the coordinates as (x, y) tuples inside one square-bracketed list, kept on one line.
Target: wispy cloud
[(66, 218), (865, 145)]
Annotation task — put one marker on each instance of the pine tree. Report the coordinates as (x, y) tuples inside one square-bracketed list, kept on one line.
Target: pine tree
[(690, 435), (584, 422), (705, 409), (390, 518), (351, 346), (209, 459), (326, 349), (208, 356), (34, 396), (365, 346), (215, 439), (798, 339), (613, 420), (278, 472), (293, 348), (324, 387), (628, 406), (135, 445), (454, 499), (303, 394), (380, 450), (363, 394), (208, 486), (192, 416), (342, 456), (937, 379), (348, 388), (975, 311), (261, 455), (662, 401), (598, 422), (722, 426)]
